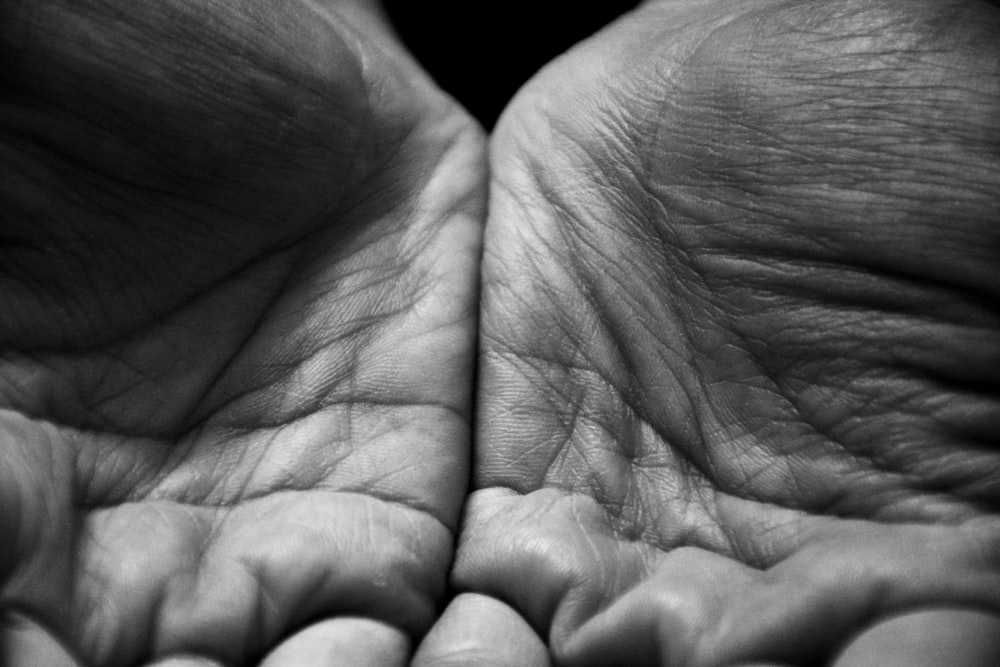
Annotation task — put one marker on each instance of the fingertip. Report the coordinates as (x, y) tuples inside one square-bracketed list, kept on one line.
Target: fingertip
[(480, 630), (359, 642), (186, 661)]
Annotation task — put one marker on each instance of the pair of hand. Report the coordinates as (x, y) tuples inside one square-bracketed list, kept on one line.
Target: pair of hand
[(721, 357)]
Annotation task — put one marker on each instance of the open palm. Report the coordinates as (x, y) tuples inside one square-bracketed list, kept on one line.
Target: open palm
[(738, 339), (239, 279), (740, 346)]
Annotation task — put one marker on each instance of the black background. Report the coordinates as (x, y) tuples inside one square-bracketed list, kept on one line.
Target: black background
[(483, 55)]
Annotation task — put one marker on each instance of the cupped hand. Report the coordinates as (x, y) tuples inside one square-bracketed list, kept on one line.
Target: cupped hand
[(739, 386), (240, 263), (737, 394)]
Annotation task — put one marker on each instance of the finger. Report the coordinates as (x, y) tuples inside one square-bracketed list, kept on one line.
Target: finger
[(342, 641), (933, 638), (24, 643), (186, 661), (480, 630)]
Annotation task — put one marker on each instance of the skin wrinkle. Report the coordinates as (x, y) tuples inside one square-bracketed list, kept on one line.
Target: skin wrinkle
[(864, 389), (571, 437), (701, 421), (278, 291), (207, 543), (726, 423), (804, 280), (779, 390), (708, 640), (233, 467), (207, 535), (345, 450), (575, 505), (245, 268), (221, 370), (894, 406), (206, 551), (213, 88), (575, 238), (812, 117), (562, 452), (184, 423)]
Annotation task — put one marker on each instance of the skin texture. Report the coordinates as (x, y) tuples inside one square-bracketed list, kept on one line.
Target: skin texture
[(740, 360), (240, 273), (738, 385)]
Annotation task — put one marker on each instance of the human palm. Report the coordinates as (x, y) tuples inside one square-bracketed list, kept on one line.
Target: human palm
[(239, 278), (738, 346), (738, 387)]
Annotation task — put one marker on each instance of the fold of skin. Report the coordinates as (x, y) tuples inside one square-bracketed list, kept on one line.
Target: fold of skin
[(239, 254), (738, 383), (739, 386)]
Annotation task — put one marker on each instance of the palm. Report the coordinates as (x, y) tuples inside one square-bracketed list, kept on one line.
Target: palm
[(740, 337), (238, 352)]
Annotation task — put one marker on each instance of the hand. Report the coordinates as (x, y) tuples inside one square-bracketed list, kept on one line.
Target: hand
[(766, 445), (241, 246), (739, 371)]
